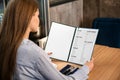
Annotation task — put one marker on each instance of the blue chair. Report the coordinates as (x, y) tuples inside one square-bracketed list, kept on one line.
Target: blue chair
[(109, 31)]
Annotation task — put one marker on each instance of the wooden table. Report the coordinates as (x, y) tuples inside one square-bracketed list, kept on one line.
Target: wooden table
[(107, 63)]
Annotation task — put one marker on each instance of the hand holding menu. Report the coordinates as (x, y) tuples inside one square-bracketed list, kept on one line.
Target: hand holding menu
[(72, 44)]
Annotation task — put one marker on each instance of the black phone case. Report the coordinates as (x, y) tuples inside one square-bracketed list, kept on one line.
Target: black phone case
[(68, 69)]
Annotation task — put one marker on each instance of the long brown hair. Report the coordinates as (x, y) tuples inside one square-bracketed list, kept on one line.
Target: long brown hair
[(15, 22)]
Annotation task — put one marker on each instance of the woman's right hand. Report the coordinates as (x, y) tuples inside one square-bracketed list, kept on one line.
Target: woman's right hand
[(90, 64)]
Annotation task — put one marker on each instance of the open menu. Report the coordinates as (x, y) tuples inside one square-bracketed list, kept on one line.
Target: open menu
[(71, 44)]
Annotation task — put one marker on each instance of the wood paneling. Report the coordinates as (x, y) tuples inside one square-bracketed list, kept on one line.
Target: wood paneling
[(69, 13), (83, 12), (90, 11), (110, 8), (100, 8)]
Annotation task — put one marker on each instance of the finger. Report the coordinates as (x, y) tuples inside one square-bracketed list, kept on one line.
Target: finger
[(49, 53), (92, 59)]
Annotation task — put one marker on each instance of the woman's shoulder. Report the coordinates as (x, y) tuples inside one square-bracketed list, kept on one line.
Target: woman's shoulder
[(28, 47), (28, 52)]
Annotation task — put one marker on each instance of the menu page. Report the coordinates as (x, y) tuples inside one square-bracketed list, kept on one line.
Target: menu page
[(83, 45), (59, 41)]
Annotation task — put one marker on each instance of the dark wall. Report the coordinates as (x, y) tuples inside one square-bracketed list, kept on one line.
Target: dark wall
[(99, 8)]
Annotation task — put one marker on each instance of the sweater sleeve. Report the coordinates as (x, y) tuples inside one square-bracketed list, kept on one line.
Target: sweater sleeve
[(81, 74), (34, 64), (49, 72)]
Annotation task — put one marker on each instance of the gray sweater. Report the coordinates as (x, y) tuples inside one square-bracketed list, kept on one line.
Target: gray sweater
[(34, 64)]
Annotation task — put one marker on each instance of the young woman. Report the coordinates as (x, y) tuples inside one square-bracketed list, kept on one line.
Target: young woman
[(20, 58)]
